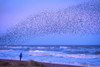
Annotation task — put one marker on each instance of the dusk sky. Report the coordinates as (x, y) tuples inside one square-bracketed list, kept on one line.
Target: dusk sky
[(13, 11)]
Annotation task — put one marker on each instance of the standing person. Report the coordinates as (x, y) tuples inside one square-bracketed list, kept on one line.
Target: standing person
[(20, 56)]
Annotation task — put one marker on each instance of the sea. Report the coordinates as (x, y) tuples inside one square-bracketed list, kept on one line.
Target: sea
[(80, 55)]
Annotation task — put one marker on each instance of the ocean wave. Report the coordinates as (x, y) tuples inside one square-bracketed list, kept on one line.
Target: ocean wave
[(6, 50), (87, 65), (64, 47), (36, 51), (41, 47), (59, 54), (82, 56)]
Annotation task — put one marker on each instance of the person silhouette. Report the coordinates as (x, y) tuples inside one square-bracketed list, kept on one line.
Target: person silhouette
[(20, 56)]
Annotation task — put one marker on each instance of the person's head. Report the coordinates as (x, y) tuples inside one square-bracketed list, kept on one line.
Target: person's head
[(20, 52)]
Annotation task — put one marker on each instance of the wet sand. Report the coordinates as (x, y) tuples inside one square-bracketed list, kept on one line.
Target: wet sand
[(5, 63)]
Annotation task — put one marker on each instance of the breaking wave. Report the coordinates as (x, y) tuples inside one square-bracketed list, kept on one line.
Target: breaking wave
[(51, 53)]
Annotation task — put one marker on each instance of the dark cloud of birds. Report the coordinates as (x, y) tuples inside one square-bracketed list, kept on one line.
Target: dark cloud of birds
[(83, 19)]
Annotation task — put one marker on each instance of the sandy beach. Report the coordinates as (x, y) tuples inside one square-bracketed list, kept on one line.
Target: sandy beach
[(7, 63)]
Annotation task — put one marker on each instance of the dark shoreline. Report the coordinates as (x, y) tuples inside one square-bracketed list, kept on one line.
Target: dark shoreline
[(26, 62)]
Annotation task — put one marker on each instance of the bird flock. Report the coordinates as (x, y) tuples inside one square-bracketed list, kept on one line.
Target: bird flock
[(83, 19)]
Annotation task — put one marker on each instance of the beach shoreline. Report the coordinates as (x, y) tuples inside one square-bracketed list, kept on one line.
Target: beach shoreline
[(26, 62)]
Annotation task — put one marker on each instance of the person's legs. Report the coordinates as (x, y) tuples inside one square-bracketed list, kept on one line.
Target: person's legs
[(20, 58)]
